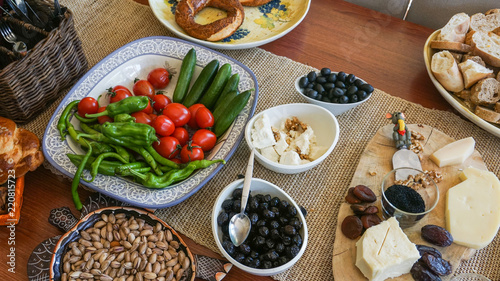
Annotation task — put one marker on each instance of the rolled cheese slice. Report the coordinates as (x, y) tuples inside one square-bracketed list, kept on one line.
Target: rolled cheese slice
[(454, 153), (472, 213)]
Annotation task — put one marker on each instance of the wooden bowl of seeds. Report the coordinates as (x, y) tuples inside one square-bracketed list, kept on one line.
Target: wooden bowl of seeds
[(121, 243)]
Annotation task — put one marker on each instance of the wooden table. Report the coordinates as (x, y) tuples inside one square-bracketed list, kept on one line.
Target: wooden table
[(385, 51)]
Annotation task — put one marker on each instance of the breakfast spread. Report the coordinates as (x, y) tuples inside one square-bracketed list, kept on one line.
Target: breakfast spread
[(293, 143), (467, 59)]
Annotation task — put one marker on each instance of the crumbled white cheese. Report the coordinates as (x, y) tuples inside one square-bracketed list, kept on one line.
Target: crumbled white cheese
[(290, 158), (303, 141), (262, 133), (281, 144), (270, 153)]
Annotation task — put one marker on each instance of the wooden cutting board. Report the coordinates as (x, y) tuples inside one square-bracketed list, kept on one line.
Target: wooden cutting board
[(374, 163)]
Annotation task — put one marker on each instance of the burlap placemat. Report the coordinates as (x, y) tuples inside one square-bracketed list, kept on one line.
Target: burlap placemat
[(104, 26)]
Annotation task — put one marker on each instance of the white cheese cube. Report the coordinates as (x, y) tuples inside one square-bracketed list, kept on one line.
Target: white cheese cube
[(290, 158), (262, 133), (454, 153), (270, 153), (384, 251), (303, 142), (472, 212), (281, 144)]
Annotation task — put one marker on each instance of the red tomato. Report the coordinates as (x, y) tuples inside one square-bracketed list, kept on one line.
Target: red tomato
[(143, 88), (191, 152), (163, 125), (118, 93), (87, 105), (141, 117), (181, 134), (159, 78), (204, 118), (153, 116), (167, 147), (176, 160), (178, 113), (160, 101), (148, 109), (193, 109), (105, 118), (204, 138)]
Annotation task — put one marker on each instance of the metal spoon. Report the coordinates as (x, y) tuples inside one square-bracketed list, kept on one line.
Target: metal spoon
[(239, 225)]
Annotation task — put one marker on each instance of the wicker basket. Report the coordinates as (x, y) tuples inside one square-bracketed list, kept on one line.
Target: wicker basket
[(30, 84)]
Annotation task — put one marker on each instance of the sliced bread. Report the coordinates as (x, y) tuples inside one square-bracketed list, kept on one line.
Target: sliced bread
[(456, 28), (477, 59), (487, 114), (464, 94), (486, 92), (497, 107), (485, 23), (487, 46), (473, 72), (492, 11), (450, 46), (445, 69)]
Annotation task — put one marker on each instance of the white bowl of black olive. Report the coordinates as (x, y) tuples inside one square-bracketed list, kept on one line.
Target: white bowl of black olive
[(278, 235), (336, 91)]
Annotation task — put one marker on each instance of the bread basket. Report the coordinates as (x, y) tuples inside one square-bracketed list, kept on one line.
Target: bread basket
[(30, 83)]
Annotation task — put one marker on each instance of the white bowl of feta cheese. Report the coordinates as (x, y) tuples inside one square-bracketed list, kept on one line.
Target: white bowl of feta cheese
[(292, 138)]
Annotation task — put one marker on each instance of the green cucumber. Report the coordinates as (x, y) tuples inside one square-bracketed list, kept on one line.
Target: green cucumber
[(202, 83), (231, 85), (210, 96), (185, 76), (231, 112), (219, 108)]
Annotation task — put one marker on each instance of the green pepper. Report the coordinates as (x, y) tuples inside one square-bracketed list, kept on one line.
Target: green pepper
[(61, 124), (76, 179), (123, 152), (126, 105), (106, 168), (151, 180), (85, 120), (95, 165), (162, 160), (148, 158), (133, 165), (132, 134), (124, 117), (128, 172)]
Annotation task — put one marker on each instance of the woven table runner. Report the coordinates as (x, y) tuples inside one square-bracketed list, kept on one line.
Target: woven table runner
[(104, 26)]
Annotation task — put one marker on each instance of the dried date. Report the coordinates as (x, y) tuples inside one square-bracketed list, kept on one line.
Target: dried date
[(352, 227), (420, 272), (364, 193), (422, 249), (436, 235), (370, 220), (437, 265), (351, 198), (358, 209)]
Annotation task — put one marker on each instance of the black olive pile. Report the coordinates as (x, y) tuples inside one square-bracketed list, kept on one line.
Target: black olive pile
[(334, 87), (274, 237)]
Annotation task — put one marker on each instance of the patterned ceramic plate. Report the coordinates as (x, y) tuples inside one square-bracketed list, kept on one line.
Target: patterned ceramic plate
[(133, 60), (262, 24)]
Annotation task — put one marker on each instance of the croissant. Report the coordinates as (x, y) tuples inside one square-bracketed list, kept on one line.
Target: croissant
[(19, 150)]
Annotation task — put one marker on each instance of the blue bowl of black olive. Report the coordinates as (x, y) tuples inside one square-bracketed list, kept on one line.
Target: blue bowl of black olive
[(336, 91)]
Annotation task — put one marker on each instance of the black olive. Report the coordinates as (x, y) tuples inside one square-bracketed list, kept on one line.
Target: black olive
[(284, 204), (263, 231), (259, 197), (321, 80), (361, 95), (274, 202), (358, 82), (313, 94), (292, 251), (222, 218), (275, 233), (227, 205), (253, 204), (270, 243), (225, 237), (229, 247), (255, 263), (248, 261), (282, 260), (332, 78), (330, 94), (319, 88), (335, 100), (258, 241), (353, 99), (297, 240), (291, 211), (350, 78), (237, 193), (325, 71), (351, 90), (343, 99), (237, 206), (263, 206), (287, 240), (261, 223), (290, 230), (295, 222), (253, 254), (337, 92), (328, 86), (279, 247), (326, 99), (275, 210), (311, 76), (244, 249), (309, 86), (303, 211), (339, 84), (367, 88), (303, 81), (283, 220), (254, 217), (225, 228), (267, 264), (341, 76), (276, 264), (271, 255), (239, 257), (319, 97)]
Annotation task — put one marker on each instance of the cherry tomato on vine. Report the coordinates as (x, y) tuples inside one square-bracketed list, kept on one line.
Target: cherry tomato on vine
[(193, 109), (191, 152), (87, 105), (163, 125), (159, 78), (167, 147), (206, 139), (178, 113), (143, 88), (181, 134), (141, 117), (204, 118), (118, 93), (160, 101), (105, 118)]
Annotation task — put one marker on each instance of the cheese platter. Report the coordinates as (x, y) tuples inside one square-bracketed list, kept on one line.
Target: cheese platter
[(374, 164)]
